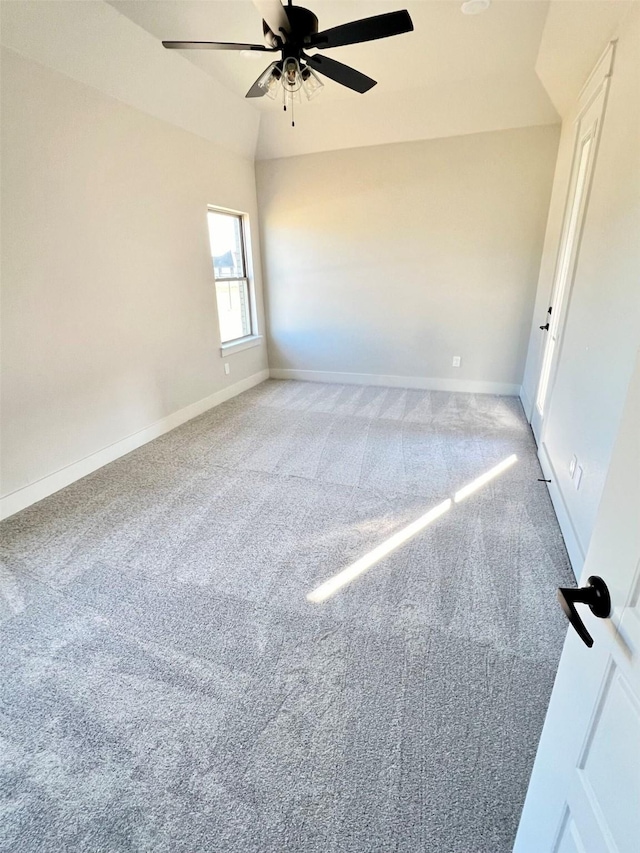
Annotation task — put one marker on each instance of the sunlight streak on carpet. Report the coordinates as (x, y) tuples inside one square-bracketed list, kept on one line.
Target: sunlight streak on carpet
[(476, 484), (331, 586)]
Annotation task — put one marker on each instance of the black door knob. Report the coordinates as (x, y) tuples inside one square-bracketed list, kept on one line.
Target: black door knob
[(595, 594)]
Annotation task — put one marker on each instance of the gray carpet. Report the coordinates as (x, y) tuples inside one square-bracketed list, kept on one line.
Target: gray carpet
[(167, 686)]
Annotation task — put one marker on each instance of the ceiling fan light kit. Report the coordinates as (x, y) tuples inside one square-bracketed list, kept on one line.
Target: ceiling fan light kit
[(292, 30), (288, 78), (297, 78)]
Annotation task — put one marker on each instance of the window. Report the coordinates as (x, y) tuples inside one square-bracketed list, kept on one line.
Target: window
[(233, 293)]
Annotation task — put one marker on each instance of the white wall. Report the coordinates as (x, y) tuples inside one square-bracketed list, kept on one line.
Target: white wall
[(603, 324), (93, 43), (109, 316), (390, 260)]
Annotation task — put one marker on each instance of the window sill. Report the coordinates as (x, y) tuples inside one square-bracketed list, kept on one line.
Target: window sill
[(240, 345)]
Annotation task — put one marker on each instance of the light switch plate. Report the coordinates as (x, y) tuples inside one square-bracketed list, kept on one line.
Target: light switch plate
[(227, 369), (457, 361)]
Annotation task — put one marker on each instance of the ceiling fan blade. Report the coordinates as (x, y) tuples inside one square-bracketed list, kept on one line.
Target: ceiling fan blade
[(367, 29), (214, 45), (341, 73), (257, 91), (273, 12)]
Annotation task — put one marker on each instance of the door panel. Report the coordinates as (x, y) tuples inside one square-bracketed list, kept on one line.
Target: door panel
[(569, 840), (568, 256), (584, 792), (613, 742), (587, 135)]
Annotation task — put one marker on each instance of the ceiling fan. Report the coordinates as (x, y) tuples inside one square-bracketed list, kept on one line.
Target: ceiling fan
[(291, 31)]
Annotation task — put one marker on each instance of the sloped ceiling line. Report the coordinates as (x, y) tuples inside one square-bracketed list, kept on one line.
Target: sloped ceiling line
[(519, 64)]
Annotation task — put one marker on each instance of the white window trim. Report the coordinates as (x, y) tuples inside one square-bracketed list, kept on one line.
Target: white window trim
[(240, 344), (255, 338)]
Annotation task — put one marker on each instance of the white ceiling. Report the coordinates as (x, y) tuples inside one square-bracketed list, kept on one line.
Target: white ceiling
[(89, 41), (445, 46), (430, 81), (575, 35), (453, 75)]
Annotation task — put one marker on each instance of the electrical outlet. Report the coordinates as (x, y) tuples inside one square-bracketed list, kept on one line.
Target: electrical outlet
[(227, 369), (572, 466), (578, 477), (457, 361)]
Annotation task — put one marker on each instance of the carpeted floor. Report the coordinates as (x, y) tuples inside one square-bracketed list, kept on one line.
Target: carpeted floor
[(167, 686)]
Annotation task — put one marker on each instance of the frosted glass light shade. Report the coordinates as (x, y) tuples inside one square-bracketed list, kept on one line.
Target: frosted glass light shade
[(270, 80), (311, 83)]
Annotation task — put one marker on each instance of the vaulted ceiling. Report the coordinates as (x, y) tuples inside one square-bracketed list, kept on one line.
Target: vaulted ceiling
[(454, 74), (446, 46)]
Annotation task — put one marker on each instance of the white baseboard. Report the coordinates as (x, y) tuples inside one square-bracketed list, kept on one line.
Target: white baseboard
[(34, 492), (420, 383), (526, 403), (574, 548)]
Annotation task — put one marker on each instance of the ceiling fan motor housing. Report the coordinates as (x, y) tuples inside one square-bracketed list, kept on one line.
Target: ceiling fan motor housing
[(303, 23)]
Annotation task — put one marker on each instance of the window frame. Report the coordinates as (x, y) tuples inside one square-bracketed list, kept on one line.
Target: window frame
[(253, 338)]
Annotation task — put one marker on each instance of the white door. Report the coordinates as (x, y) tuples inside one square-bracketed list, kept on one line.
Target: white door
[(584, 793), (588, 130)]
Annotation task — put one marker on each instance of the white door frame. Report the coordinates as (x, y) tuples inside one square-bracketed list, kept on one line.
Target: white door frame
[(573, 220), (588, 130)]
